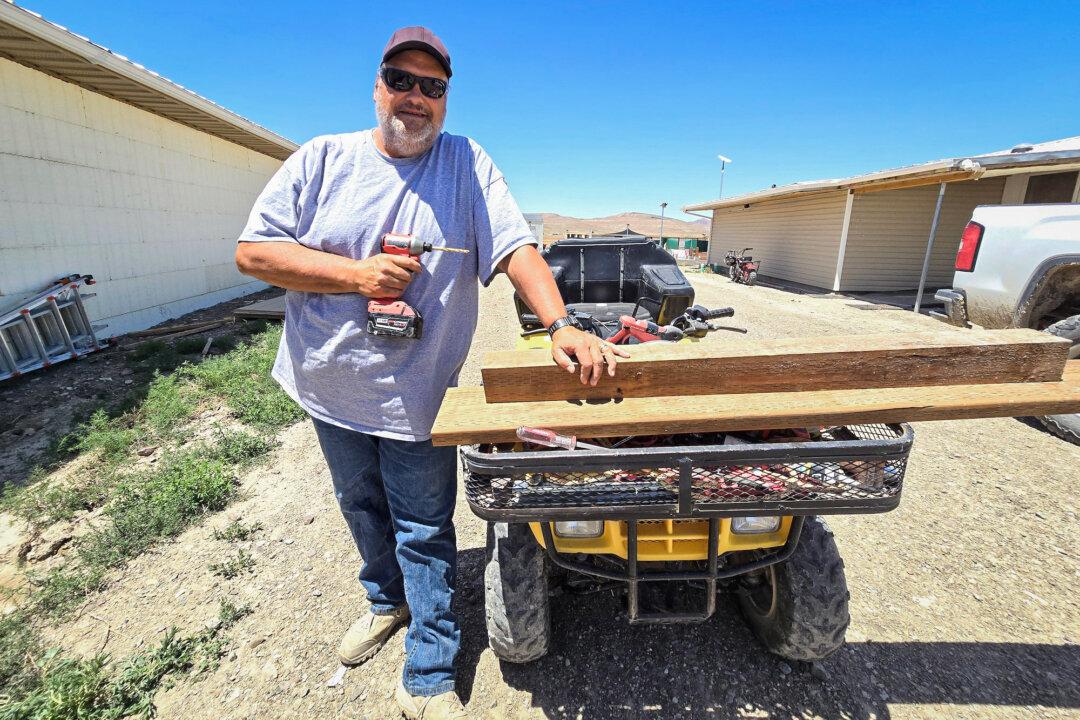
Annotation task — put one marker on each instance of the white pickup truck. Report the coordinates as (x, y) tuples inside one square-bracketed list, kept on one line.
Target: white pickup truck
[(1019, 266)]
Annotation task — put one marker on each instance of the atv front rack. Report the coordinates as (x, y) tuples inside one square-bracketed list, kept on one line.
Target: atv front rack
[(854, 469)]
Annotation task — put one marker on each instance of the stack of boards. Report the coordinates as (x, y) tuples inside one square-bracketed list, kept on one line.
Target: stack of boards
[(807, 382)]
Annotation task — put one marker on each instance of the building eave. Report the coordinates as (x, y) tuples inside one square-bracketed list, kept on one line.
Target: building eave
[(28, 39), (951, 170)]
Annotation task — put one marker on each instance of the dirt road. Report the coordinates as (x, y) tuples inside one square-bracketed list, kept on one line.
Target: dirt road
[(963, 601)]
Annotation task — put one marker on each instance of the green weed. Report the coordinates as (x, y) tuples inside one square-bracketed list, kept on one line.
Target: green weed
[(237, 531), (169, 402), (239, 564), (242, 377), (254, 327), (56, 687), (18, 641), (225, 343), (50, 502), (147, 350), (189, 345), (114, 437), (239, 448)]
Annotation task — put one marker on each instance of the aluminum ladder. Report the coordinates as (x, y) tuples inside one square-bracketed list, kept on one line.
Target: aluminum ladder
[(48, 327)]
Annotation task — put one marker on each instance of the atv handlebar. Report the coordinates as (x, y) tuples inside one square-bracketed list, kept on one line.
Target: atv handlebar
[(699, 312)]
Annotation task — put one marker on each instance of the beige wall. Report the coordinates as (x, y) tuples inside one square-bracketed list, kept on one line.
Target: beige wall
[(887, 237), (150, 207), (796, 239)]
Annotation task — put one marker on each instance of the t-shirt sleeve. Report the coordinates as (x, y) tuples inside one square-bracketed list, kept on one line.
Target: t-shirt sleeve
[(275, 217), (499, 225)]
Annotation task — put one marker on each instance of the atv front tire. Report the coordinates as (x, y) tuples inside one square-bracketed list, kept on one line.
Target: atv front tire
[(733, 273), (516, 600), (1066, 427), (799, 608)]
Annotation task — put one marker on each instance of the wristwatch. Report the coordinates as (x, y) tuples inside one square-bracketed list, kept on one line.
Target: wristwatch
[(564, 321)]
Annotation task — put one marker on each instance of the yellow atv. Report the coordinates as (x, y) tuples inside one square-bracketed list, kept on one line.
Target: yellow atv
[(671, 520)]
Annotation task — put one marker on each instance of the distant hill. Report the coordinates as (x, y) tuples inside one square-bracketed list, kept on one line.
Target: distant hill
[(557, 226)]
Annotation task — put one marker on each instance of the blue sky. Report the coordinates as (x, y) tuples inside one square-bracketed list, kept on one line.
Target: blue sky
[(596, 108)]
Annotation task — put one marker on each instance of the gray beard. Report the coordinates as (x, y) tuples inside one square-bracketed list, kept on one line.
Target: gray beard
[(399, 140)]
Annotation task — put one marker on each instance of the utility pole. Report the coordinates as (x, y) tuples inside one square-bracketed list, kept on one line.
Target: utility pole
[(723, 164), (662, 206)]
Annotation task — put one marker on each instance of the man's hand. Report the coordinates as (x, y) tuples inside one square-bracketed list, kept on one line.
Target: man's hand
[(591, 353), (385, 275)]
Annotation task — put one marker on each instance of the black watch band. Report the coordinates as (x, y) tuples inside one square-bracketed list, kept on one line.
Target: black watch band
[(565, 321)]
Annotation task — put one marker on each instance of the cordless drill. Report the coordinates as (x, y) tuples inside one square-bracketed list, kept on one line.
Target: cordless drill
[(393, 316)]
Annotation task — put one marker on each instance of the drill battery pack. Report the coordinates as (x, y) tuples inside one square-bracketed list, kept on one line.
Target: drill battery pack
[(394, 319)]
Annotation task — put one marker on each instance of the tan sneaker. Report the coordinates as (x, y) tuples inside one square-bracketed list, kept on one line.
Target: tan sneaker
[(368, 634), (434, 707)]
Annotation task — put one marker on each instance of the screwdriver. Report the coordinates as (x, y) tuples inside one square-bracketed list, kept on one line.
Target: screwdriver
[(550, 438)]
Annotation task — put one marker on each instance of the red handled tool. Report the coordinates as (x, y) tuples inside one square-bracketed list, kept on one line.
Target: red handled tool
[(644, 331), (393, 316), (550, 438)]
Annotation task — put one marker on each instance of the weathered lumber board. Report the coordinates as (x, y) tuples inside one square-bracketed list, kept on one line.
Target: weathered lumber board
[(466, 418), (716, 366)]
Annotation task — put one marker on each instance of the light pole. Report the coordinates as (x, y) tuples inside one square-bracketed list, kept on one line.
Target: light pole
[(662, 206), (723, 164)]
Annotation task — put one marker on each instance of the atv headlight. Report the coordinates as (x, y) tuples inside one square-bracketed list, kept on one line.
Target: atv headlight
[(754, 525), (579, 528)]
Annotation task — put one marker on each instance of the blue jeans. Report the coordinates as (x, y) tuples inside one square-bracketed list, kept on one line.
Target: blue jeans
[(398, 500)]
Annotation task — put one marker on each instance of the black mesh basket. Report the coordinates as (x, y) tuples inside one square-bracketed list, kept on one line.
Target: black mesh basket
[(850, 469)]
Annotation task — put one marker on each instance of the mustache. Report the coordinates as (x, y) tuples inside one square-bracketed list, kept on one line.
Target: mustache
[(414, 109)]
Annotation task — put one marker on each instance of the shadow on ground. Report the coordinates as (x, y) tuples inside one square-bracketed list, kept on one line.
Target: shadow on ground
[(601, 667)]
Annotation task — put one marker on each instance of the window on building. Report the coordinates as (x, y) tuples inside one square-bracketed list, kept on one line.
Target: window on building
[(1052, 188)]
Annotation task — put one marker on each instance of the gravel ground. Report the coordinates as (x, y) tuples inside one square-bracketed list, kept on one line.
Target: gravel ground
[(963, 601)]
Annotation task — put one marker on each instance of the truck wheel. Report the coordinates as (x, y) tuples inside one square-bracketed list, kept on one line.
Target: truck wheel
[(516, 600), (799, 608), (1066, 427)]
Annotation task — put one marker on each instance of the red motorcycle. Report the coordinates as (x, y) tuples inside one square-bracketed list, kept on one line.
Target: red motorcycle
[(741, 267)]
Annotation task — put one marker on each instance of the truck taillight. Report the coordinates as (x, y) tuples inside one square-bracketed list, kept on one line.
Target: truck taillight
[(969, 247)]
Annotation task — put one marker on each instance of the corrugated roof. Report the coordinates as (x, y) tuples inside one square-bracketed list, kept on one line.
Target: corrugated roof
[(31, 40), (1063, 154)]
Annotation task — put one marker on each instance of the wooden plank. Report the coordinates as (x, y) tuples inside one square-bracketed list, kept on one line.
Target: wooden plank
[(466, 418), (723, 365), (272, 309)]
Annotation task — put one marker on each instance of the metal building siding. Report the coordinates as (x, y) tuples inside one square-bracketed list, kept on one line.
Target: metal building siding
[(150, 207), (888, 232), (795, 239)]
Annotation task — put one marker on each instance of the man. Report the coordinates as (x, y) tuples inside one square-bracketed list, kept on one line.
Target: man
[(316, 231)]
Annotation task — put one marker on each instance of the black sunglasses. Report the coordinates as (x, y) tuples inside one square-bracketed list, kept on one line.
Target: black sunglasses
[(402, 81)]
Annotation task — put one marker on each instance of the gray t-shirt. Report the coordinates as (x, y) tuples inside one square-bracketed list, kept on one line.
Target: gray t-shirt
[(339, 194)]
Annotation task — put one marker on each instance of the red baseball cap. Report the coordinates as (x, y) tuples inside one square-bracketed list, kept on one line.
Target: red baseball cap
[(418, 38)]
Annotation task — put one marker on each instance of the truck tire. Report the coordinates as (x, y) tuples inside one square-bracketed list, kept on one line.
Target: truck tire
[(516, 600), (799, 608), (1066, 427)]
